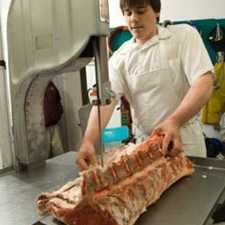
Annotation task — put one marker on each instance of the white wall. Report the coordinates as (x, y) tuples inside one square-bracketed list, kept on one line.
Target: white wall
[(192, 9), (177, 10)]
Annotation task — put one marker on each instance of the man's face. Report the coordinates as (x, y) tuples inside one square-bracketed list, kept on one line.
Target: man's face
[(141, 22)]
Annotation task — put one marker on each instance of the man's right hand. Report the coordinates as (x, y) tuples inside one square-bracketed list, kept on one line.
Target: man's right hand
[(86, 156)]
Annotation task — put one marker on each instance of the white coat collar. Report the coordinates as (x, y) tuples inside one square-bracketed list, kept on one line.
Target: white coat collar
[(163, 33)]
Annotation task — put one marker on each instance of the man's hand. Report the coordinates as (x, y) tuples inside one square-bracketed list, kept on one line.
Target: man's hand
[(172, 143), (86, 156)]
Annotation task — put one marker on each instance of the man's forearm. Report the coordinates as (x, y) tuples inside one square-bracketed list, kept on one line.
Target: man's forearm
[(92, 130), (194, 100)]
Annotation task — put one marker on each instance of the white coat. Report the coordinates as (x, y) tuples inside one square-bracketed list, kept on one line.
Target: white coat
[(156, 76)]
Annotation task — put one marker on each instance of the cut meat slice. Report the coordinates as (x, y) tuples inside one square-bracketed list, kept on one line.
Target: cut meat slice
[(119, 193)]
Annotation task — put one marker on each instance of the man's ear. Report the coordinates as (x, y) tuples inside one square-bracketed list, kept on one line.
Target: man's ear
[(157, 16)]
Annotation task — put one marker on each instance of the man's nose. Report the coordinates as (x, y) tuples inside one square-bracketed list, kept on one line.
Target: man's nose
[(133, 17)]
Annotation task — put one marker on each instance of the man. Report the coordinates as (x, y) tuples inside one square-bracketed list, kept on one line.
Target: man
[(166, 75), (53, 111)]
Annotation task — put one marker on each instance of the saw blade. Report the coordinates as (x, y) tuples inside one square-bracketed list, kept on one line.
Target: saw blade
[(100, 136)]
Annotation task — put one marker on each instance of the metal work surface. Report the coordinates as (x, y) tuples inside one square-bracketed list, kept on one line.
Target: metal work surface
[(188, 202), (19, 191)]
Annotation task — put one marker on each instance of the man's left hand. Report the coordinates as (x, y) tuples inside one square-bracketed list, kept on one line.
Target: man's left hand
[(172, 143)]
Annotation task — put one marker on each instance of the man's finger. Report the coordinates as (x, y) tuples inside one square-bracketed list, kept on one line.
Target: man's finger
[(176, 148), (178, 144), (82, 164), (93, 159), (166, 142), (156, 131)]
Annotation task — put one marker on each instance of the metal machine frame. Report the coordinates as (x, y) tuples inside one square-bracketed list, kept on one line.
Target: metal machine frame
[(47, 38)]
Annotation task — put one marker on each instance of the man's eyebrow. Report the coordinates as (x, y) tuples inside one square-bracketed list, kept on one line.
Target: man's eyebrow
[(141, 7), (136, 7), (126, 9)]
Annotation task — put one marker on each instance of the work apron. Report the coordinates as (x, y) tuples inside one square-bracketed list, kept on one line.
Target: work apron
[(157, 79)]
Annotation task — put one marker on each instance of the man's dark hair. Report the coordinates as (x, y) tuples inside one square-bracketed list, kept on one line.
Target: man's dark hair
[(155, 4)]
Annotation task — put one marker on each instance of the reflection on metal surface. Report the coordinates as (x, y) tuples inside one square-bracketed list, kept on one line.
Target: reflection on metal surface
[(48, 220)]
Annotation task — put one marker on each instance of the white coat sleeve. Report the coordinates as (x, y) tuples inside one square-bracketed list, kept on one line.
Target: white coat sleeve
[(194, 56), (118, 84)]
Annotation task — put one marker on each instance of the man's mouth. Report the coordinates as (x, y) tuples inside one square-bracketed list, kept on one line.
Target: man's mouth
[(134, 28)]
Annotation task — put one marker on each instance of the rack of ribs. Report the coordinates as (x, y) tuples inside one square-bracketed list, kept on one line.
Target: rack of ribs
[(117, 194)]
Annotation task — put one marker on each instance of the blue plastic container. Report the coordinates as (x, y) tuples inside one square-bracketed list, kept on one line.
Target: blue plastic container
[(115, 134)]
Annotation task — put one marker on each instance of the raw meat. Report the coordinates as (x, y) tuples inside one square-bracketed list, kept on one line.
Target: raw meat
[(133, 178)]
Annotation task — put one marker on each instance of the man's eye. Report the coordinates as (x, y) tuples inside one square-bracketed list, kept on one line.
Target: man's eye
[(127, 13), (141, 11)]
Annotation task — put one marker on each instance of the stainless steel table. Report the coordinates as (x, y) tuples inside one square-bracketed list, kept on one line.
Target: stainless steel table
[(18, 191), (188, 202)]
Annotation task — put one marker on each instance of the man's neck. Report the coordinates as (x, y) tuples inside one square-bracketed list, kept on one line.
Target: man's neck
[(143, 41)]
